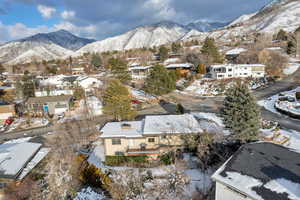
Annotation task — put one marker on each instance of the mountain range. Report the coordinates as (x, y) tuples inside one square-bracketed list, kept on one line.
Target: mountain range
[(279, 14)]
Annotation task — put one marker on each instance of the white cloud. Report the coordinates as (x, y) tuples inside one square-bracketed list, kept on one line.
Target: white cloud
[(89, 31), (46, 12), (67, 14), (18, 31)]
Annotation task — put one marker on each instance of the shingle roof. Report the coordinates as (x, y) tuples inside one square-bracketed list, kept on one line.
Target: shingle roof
[(49, 99), (263, 171)]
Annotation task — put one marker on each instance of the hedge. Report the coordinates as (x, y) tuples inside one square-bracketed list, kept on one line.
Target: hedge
[(119, 160)]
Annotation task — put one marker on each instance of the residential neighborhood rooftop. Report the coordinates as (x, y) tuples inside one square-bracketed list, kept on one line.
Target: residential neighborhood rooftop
[(263, 171), (49, 99), (15, 156), (159, 124), (122, 129)]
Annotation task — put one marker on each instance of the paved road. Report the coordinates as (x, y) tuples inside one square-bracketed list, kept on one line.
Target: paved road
[(26, 133), (45, 130)]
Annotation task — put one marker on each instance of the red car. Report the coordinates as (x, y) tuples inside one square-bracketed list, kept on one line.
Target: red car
[(135, 101), (9, 121)]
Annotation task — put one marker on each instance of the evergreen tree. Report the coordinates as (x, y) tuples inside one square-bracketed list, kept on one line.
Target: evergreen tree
[(179, 109), (160, 81), (96, 60), (281, 35), (209, 48), (163, 53), (117, 101), (28, 85), (240, 113), (175, 47), (291, 47), (120, 69)]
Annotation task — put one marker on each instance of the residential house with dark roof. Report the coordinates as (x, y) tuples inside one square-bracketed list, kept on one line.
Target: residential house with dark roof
[(53, 105), (259, 171)]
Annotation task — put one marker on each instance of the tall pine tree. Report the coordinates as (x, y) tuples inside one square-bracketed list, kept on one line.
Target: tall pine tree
[(160, 81), (209, 48), (119, 68), (117, 101), (240, 113)]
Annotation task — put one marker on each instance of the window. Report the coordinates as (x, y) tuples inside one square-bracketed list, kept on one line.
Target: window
[(230, 70), (119, 153), (116, 141), (151, 140), (163, 137)]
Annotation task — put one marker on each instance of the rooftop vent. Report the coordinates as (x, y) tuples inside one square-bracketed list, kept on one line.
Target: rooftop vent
[(126, 126)]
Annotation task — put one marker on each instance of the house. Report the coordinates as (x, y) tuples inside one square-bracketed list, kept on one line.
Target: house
[(52, 105), (224, 71), (53, 92), (183, 68), (6, 110), (18, 159), (139, 72), (151, 136), (77, 70), (232, 54), (259, 171)]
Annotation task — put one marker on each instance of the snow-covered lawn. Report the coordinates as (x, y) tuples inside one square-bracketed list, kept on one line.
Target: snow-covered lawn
[(292, 68), (89, 194), (292, 136), (210, 87)]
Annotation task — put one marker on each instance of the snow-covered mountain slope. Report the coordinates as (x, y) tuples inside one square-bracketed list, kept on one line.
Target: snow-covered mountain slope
[(279, 14), (143, 36), (42, 46), (242, 19), (62, 38), (205, 26), (26, 51)]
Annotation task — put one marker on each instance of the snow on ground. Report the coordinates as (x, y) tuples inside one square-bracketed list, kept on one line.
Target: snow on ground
[(204, 88), (20, 140), (270, 102), (292, 135), (141, 95), (89, 194), (292, 68)]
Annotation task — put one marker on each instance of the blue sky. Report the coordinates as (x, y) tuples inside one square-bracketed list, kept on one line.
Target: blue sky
[(99, 19)]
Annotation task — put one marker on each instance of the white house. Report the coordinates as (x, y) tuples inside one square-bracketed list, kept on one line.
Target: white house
[(259, 171), (224, 71)]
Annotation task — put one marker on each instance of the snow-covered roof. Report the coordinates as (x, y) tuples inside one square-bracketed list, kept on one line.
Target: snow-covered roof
[(87, 82), (171, 60), (14, 157), (236, 51), (139, 67), (179, 65), (177, 124), (122, 129), (237, 65), (39, 156), (263, 171)]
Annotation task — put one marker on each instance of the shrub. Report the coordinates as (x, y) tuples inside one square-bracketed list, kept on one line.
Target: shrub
[(167, 158), (298, 95), (119, 160), (91, 175)]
